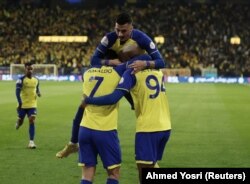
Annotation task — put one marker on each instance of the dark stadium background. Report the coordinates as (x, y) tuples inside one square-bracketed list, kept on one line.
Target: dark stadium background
[(210, 122), (197, 33)]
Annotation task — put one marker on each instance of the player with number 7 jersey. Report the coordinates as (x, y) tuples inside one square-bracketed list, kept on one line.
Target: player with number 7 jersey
[(148, 91), (98, 129), (101, 117), (153, 123)]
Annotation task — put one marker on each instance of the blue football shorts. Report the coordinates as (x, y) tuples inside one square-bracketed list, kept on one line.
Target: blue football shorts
[(106, 144), (149, 146), (30, 112)]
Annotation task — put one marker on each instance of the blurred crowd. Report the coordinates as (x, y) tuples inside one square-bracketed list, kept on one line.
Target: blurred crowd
[(196, 35)]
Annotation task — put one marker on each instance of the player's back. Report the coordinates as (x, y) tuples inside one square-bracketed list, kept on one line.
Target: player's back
[(99, 81), (151, 104)]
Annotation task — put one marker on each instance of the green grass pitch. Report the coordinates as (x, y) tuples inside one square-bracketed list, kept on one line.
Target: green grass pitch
[(211, 125)]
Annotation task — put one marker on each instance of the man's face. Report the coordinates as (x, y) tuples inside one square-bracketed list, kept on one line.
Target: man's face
[(29, 70), (123, 31)]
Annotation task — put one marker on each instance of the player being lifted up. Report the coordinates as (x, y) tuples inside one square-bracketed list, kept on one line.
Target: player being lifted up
[(27, 90), (126, 42)]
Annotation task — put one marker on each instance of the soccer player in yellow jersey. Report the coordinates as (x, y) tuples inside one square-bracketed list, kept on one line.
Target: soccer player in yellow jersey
[(98, 129), (126, 42), (153, 123), (27, 90)]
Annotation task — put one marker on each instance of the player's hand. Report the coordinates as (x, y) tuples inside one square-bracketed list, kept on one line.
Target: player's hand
[(19, 107), (137, 66), (114, 62)]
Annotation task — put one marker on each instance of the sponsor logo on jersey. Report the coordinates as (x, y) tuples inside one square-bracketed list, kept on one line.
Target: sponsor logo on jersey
[(121, 81), (152, 45), (105, 41)]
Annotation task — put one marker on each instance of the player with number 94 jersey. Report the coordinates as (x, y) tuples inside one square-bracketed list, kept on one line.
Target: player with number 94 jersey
[(150, 100), (153, 125)]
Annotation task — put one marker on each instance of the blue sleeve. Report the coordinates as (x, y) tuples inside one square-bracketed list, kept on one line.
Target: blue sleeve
[(121, 68), (107, 41), (159, 62), (96, 58), (145, 42), (18, 91), (127, 81), (107, 99)]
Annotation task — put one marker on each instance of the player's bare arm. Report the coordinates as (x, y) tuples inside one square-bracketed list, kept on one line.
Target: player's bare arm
[(139, 65)]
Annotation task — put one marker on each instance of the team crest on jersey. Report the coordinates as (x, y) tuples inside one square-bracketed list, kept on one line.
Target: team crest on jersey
[(152, 45), (121, 81), (105, 41)]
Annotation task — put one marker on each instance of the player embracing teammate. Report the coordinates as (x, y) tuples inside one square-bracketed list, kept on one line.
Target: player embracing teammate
[(142, 78)]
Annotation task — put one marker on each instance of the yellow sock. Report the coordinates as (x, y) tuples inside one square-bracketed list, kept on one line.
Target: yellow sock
[(156, 165)]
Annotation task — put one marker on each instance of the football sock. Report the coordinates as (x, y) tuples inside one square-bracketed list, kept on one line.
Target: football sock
[(85, 182), (112, 181), (156, 165), (76, 125), (32, 131)]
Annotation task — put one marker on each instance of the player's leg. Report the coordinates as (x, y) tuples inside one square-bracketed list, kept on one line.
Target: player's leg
[(32, 117), (149, 148), (108, 146), (88, 173), (76, 124), (72, 146), (140, 166), (87, 155), (163, 138), (113, 175), (21, 115)]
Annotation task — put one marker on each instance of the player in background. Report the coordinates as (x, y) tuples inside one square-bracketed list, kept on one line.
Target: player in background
[(98, 129), (153, 123), (27, 90), (126, 43)]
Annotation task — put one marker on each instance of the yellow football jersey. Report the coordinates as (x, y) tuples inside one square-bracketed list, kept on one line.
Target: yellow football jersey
[(151, 103), (28, 91), (98, 82)]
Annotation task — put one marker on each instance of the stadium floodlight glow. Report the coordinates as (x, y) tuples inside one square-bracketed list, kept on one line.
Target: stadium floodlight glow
[(159, 39), (59, 39), (235, 40)]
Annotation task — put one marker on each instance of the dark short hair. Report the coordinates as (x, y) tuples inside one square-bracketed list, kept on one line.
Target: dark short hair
[(124, 18), (28, 64)]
